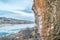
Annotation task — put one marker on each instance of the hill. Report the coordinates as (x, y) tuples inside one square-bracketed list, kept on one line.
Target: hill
[(4, 20)]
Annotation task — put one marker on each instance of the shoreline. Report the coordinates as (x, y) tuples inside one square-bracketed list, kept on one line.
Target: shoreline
[(11, 24), (20, 35)]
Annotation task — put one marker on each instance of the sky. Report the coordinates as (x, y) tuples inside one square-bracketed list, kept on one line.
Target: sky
[(18, 9)]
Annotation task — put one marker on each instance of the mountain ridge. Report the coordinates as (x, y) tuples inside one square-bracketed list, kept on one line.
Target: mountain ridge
[(4, 20)]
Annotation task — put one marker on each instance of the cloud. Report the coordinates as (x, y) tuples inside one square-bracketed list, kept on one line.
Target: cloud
[(15, 5), (24, 14), (18, 15), (4, 1)]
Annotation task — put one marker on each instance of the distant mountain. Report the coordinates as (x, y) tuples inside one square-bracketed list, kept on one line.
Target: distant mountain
[(4, 20)]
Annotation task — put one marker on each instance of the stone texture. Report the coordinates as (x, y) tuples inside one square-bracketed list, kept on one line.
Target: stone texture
[(47, 18)]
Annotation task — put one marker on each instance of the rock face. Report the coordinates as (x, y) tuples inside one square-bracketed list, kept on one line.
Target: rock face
[(47, 16)]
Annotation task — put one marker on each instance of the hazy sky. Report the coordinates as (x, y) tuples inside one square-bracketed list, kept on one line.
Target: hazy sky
[(18, 9)]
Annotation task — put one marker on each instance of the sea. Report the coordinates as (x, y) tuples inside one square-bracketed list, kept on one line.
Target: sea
[(12, 29)]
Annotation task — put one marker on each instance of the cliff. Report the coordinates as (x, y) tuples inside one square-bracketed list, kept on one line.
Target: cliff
[(47, 18)]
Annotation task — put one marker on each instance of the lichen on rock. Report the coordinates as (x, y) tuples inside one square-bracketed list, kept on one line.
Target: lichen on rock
[(47, 18)]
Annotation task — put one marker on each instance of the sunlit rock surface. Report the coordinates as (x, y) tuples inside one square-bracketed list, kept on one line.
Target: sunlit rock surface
[(47, 18)]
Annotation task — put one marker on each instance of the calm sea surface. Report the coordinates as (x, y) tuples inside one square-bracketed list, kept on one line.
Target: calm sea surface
[(11, 29)]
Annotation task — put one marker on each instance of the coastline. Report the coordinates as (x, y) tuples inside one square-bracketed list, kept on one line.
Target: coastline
[(19, 35)]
